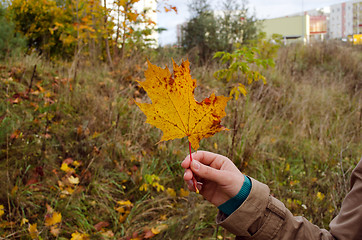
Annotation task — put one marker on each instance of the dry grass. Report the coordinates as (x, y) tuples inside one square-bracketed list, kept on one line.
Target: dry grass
[(300, 134)]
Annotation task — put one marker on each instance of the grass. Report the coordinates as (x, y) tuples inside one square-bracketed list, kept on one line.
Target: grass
[(300, 134)]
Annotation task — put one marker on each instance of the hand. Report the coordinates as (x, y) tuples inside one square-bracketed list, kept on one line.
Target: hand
[(217, 176)]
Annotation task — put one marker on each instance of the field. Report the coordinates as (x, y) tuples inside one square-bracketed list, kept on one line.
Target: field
[(78, 160)]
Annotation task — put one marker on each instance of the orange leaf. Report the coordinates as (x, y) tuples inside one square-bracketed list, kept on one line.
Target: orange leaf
[(101, 225), (174, 109), (15, 134), (33, 231), (52, 217), (132, 16), (166, 9), (55, 230), (149, 234)]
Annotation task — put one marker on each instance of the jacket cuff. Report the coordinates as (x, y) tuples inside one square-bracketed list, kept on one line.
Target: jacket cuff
[(234, 203), (250, 217)]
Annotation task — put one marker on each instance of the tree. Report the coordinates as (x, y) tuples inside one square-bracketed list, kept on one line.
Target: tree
[(9, 40), (249, 26), (200, 33), (35, 19), (209, 33), (74, 28)]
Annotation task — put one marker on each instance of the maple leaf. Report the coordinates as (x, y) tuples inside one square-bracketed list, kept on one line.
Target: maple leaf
[(79, 236), (52, 217), (73, 180), (174, 109), (33, 231)]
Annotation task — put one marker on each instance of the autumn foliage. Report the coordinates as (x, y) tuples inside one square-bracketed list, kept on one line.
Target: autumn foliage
[(78, 161), (174, 109), (74, 28)]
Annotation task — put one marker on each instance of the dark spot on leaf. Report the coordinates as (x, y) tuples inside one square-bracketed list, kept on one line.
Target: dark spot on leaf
[(171, 81), (207, 101)]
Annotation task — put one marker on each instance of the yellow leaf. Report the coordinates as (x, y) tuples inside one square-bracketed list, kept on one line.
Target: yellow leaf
[(33, 231), (68, 191), (132, 16), (52, 219), (14, 190), (184, 193), (174, 109), (287, 167), (66, 168), (123, 217), (158, 186), (320, 196), (171, 192), (2, 210), (73, 180), (96, 134), (144, 187), (76, 164), (155, 231), (215, 146), (23, 221), (158, 229), (242, 89), (234, 92), (125, 203), (79, 236)]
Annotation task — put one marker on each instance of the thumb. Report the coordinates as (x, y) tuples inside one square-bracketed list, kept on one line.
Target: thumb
[(205, 171)]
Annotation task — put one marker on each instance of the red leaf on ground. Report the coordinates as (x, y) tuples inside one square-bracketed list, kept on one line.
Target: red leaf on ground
[(101, 225)]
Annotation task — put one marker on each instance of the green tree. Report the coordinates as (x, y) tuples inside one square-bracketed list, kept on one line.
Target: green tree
[(235, 25), (200, 33), (10, 41), (208, 33)]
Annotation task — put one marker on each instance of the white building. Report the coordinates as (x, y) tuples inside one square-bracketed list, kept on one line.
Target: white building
[(345, 19)]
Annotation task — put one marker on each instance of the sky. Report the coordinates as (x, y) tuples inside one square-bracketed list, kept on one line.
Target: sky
[(263, 9)]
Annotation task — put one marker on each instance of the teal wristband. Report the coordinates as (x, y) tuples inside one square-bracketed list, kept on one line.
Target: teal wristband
[(234, 203)]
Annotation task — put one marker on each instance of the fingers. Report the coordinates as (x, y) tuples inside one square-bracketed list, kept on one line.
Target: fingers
[(191, 187), (186, 162), (205, 172), (188, 175), (207, 158)]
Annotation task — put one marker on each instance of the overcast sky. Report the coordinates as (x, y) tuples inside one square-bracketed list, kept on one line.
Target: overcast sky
[(262, 8)]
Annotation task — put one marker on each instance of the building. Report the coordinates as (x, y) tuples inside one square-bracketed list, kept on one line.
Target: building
[(338, 21), (346, 19), (294, 28)]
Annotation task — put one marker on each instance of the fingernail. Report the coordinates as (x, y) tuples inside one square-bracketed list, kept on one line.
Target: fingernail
[(190, 183), (199, 185), (195, 165)]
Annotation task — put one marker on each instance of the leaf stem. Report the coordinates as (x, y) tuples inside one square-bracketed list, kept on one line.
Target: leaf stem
[(193, 178)]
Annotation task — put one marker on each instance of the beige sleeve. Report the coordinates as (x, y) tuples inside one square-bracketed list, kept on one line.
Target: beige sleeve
[(262, 216)]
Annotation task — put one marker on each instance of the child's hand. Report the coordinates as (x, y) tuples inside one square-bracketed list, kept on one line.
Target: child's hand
[(217, 176)]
